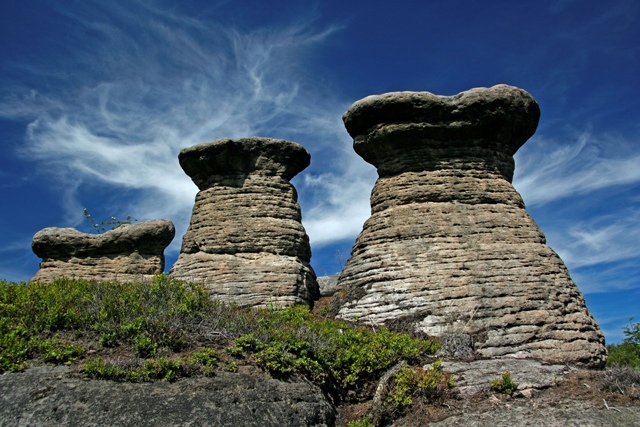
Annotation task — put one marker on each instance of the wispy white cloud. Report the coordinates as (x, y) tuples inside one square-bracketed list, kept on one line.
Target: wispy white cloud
[(166, 82), (598, 241), (341, 201), (606, 239), (548, 170)]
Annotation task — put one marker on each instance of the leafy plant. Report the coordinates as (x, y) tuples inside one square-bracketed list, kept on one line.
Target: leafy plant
[(328, 352), (57, 351), (15, 346), (632, 333), (410, 382), (144, 346), (504, 384), (628, 352), (106, 225), (362, 422), (207, 361)]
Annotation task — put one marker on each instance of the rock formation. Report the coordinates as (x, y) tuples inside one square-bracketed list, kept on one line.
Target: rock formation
[(128, 253), (246, 242), (449, 243)]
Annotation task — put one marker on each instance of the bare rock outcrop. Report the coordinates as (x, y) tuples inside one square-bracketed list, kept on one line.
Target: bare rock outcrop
[(127, 253), (54, 396), (449, 243), (246, 242)]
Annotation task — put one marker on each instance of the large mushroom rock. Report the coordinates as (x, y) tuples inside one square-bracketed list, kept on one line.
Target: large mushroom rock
[(246, 242), (127, 253), (449, 246)]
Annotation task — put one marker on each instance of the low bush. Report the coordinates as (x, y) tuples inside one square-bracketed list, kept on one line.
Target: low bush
[(329, 352), (504, 384), (429, 384), (628, 352), (362, 422)]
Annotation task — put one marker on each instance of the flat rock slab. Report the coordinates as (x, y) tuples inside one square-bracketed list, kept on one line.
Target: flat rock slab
[(562, 413), (476, 376), (48, 396)]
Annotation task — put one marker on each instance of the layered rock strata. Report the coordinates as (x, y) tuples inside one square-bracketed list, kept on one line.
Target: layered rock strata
[(449, 244), (246, 242), (128, 253)]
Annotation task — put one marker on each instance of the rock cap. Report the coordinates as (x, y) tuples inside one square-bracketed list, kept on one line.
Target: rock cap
[(501, 114), (243, 156), (144, 237)]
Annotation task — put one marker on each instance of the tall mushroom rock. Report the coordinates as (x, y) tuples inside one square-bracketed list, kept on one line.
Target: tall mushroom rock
[(449, 245), (246, 242)]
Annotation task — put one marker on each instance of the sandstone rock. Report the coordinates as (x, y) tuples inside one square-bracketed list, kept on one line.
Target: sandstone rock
[(449, 242), (328, 285), (246, 242), (51, 396), (476, 376), (128, 253)]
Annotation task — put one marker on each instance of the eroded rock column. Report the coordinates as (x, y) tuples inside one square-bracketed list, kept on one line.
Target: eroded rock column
[(246, 242), (449, 245), (131, 252)]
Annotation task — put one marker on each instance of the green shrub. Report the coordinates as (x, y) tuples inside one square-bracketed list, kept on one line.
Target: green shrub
[(628, 353), (99, 369), (410, 382), (625, 354), (145, 316), (326, 351), (144, 346), (206, 361), (202, 362), (15, 346), (362, 422), (57, 351), (504, 384)]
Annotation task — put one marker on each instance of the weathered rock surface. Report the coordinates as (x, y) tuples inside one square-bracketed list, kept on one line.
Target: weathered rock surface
[(246, 242), (128, 253), (49, 396), (529, 375), (328, 285), (449, 243), (554, 414)]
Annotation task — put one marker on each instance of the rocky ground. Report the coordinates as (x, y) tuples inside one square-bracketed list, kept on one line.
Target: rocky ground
[(547, 395)]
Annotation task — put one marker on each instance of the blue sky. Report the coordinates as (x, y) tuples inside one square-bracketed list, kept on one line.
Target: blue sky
[(98, 98)]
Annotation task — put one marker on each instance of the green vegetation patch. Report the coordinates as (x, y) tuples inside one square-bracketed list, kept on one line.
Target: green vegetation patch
[(38, 320), (168, 329), (504, 384), (429, 384), (626, 354)]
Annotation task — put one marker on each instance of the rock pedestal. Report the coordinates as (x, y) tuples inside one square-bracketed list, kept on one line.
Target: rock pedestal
[(449, 244), (246, 242), (128, 253)]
